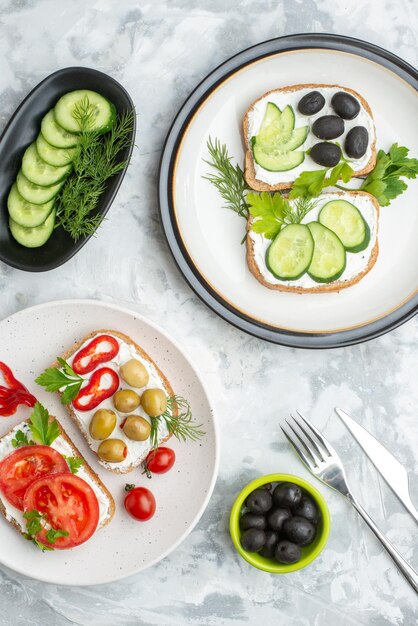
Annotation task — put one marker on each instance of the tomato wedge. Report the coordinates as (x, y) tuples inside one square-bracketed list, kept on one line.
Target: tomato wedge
[(68, 503), (20, 468), (99, 350)]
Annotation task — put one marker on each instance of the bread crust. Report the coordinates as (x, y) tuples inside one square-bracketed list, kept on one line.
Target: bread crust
[(92, 474), (249, 172), (71, 351), (321, 288)]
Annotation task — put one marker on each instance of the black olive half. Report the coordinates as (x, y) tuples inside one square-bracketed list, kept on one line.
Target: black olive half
[(345, 105), (328, 127), (326, 154), (356, 142), (311, 103)]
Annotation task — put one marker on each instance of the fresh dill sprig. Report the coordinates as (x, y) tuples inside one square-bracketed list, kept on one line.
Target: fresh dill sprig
[(229, 179), (178, 420), (97, 158)]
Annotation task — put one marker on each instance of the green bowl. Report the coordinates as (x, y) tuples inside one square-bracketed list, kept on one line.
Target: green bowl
[(309, 553)]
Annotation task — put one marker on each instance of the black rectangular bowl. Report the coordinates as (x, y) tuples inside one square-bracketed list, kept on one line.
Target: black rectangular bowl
[(22, 130)]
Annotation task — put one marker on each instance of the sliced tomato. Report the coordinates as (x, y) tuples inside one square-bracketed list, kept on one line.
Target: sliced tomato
[(20, 468), (68, 503)]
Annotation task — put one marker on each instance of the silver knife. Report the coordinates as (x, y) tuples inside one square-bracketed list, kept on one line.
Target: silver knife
[(386, 464)]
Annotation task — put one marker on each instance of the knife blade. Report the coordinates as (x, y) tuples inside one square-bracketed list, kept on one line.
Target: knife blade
[(386, 464)]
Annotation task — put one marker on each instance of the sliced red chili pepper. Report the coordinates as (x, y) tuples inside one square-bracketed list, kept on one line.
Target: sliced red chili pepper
[(96, 390), (95, 353), (14, 394)]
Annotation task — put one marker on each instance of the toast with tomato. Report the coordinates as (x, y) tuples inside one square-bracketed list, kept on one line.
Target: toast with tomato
[(48, 491)]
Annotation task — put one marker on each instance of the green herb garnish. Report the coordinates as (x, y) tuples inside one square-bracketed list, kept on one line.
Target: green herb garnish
[(43, 430), (312, 183), (179, 422), (54, 379), (21, 439), (74, 463), (35, 523), (97, 158), (229, 180), (272, 211)]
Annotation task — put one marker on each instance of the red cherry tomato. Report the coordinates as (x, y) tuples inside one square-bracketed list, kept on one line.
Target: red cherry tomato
[(68, 503), (159, 461), (99, 350), (140, 504), (20, 468)]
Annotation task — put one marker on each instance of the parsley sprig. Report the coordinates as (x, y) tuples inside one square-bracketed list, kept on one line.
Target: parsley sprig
[(312, 183), (36, 522), (21, 439), (272, 211), (43, 430), (74, 463), (178, 420), (65, 379)]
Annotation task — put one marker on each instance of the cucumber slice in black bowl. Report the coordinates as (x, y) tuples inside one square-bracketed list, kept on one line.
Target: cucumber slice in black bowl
[(22, 129)]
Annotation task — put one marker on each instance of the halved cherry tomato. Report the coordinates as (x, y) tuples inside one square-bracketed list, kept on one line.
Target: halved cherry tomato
[(100, 350), (68, 503), (159, 461), (19, 469), (140, 503), (103, 384)]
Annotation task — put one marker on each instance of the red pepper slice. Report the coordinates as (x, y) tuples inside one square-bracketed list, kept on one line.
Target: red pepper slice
[(89, 357), (14, 394), (93, 393)]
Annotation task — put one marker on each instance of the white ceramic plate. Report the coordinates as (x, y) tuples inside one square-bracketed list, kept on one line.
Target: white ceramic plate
[(29, 342), (207, 237)]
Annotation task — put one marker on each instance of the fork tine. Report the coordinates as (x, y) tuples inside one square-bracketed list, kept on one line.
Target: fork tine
[(316, 432), (311, 458), (317, 448), (298, 450)]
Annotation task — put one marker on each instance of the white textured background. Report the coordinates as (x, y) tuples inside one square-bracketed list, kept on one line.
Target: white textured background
[(159, 51)]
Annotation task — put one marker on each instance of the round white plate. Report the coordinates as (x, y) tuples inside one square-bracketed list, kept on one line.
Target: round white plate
[(30, 340), (205, 237)]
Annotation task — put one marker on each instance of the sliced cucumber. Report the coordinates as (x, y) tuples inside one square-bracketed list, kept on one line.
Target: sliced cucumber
[(51, 155), (276, 127), (39, 172), (25, 213), (103, 112), (275, 160), (33, 237), (290, 254), (35, 193), (55, 135), (295, 139), (329, 258), (346, 221)]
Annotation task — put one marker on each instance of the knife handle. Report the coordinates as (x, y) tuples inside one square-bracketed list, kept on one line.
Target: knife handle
[(410, 574)]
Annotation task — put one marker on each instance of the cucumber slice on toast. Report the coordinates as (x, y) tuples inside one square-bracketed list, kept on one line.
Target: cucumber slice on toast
[(102, 111), (52, 155), (55, 135), (36, 194), (33, 237), (25, 213), (346, 221), (39, 172), (329, 258), (276, 161), (290, 254), (277, 126)]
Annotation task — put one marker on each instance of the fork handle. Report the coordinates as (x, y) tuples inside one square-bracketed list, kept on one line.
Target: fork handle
[(410, 574)]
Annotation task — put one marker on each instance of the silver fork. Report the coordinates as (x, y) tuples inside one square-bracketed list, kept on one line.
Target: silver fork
[(322, 460)]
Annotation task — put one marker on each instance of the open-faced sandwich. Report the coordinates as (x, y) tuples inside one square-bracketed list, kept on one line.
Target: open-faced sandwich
[(48, 492), (122, 402), (306, 127)]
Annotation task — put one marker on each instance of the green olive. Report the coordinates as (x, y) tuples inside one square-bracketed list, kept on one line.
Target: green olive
[(112, 450), (126, 400), (134, 373), (102, 424), (154, 402), (137, 428)]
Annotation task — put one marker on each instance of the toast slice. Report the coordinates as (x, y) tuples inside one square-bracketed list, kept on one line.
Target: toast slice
[(263, 180), (157, 378), (364, 261), (63, 442)]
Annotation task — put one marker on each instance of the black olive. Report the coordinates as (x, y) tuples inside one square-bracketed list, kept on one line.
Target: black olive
[(267, 486), (287, 495), (356, 142), (259, 501), (307, 509), (252, 520), (253, 539), (270, 545), (277, 518), (326, 154), (345, 105), (328, 127), (299, 530), (287, 552), (311, 103)]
